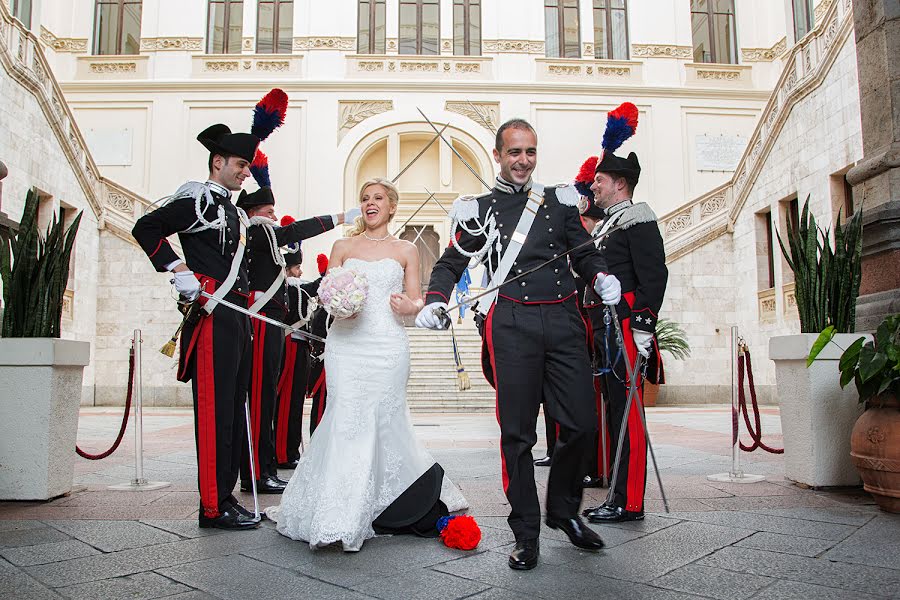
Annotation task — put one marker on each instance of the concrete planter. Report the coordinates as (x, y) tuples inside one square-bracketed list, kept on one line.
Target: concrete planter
[(817, 416), (40, 392)]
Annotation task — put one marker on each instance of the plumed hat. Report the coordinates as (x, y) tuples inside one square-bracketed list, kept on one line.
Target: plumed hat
[(218, 139), (621, 123)]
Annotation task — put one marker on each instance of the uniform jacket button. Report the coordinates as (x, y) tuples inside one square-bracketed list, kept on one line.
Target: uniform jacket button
[(558, 283), (547, 217), (559, 295), (526, 297), (556, 270), (550, 229), (523, 284), (518, 270), (551, 245), (505, 237)]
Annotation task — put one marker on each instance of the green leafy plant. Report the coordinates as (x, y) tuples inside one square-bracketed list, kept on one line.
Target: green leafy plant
[(874, 366), (35, 269), (672, 338), (826, 280)]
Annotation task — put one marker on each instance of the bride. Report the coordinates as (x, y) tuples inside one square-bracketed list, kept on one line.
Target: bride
[(363, 469)]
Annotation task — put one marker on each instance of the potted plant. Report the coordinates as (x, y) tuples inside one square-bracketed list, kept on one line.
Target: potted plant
[(874, 366), (671, 338), (40, 374), (816, 414)]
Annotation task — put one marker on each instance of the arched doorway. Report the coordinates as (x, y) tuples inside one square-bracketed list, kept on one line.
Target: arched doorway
[(427, 241)]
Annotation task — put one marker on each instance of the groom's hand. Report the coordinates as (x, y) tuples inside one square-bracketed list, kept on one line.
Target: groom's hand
[(430, 316)]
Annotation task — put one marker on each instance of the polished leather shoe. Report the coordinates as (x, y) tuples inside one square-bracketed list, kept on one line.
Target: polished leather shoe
[(279, 480), (592, 482), (269, 485), (291, 464), (543, 462), (580, 535), (613, 514), (525, 555), (229, 518)]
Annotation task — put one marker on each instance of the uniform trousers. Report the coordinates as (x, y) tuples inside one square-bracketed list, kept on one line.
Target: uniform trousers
[(534, 359), (318, 391), (291, 394)]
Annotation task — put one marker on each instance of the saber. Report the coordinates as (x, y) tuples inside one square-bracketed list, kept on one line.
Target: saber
[(252, 467), (265, 319), (421, 152), (415, 212), (605, 469), (633, 376), (454, 150), (610, 227)]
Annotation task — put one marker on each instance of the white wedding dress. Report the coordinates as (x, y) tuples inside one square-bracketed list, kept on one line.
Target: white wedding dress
[(364, 453)]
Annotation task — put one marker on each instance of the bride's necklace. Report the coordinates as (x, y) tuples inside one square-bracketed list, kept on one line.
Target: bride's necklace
[(373, 239)]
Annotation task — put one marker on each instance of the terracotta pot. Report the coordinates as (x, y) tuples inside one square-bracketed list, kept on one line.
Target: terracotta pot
[(875, 449), (651, 391)]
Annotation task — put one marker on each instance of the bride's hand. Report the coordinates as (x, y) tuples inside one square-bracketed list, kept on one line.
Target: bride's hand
[(402, 305)]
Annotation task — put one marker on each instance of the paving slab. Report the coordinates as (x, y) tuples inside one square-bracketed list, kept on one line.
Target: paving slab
[(791, 590), (712, 582), (421, 584), (143, 586), (788, 544), (40, 534), (112, 536), (16, 584), (41, 554), (774, 524), (876, 543), (832, 514), (186, 528)]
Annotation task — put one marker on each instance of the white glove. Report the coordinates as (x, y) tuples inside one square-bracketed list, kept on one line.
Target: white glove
[(608, 288), (186, 284), (642, 340), (352, 214), (429, 317)]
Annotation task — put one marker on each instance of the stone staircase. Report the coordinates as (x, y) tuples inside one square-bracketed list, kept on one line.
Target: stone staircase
[(433, 382)]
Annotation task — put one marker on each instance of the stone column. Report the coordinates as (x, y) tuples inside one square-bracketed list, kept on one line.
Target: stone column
[(876, 179)]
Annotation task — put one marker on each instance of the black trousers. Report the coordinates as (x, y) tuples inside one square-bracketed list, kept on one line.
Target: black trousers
[(318, 391), (631, 479), (291, 394), (538, 353), (550, 427), (216, 357), (268, 346)]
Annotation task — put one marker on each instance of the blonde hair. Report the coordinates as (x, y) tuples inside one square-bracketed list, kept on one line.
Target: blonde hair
[(359, 225)]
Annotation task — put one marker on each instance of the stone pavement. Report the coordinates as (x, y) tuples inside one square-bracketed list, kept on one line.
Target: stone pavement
[(765, 540)]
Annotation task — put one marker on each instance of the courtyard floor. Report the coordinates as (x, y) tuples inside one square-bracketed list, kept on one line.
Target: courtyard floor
[(730, 541)]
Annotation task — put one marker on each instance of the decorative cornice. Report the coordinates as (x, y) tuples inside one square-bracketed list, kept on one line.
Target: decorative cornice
[(183, 44), (486, 114), (325, 43), (661, 51), (353, 112), (113, 67), (764, 54), (513, 46), (59, 44)]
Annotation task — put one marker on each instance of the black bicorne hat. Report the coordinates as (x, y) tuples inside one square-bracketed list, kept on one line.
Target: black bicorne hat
[(629, 168), (260, 197), (218, 139)]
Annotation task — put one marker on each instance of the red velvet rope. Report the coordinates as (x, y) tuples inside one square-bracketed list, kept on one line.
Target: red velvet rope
[(118, 441), (755, 432)]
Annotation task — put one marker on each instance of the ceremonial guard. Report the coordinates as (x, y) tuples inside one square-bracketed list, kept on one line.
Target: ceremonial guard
[(528, 328), (215, 340), (302, 303), (635, 254)]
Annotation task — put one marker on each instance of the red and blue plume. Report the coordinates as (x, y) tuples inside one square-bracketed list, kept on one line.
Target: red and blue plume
[(322, 263), (269, 113), (621, 124), (259, 168), (585, 177), (287, 220)]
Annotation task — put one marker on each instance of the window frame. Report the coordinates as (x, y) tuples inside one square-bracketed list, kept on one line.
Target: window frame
[(419, 26), (561, 29), (275, 24), (810, 18), (372, 26), (119, 24), (16, 8), (711, 28), (467, 26), (609, 30), (226, 20)]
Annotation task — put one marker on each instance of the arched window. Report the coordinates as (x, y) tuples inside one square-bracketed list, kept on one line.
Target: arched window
[(712, 26), (370, 31), (467, 27), (561, 27), (274, 26), (610, 29), (117, 27), (420, 27), (224, 26)]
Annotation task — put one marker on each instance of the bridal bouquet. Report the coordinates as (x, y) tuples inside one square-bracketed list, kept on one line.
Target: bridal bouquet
[(343, 292)]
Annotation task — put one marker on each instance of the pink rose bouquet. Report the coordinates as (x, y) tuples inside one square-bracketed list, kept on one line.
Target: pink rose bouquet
[(343, 292)]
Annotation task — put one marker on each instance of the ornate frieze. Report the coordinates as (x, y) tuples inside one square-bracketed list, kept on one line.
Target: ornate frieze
[(325, 43), (764, 54), (712, 205), (273, 65), (718, 75), (353, 112), (820, 10), (564, 69), (371, 66), (661, 51), (182, 44), (678, 223), (120, 202), (418, 66), (486, 114), (513, 46), (63, 44), (221, 65), (113, 67)]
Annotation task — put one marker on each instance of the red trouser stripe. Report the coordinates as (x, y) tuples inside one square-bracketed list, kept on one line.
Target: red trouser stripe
[(206, 419), (259, 345), (601, 423), (489, 340), (285, 389), (319, 388), (637, 441)]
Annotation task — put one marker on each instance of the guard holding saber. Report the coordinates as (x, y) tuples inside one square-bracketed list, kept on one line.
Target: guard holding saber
[(635, 254)]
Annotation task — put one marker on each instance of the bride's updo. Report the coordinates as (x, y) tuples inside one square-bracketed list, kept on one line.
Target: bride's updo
[(359, 225)]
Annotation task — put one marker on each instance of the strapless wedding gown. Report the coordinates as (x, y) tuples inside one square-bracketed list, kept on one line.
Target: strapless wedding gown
[(364, 453)]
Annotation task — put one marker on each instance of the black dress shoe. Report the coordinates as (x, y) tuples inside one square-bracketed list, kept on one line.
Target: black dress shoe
[(543, 462), (269, 485), (614, 514), (592, 482), (229, 518), (579, 534), (279, 480), (291, 464), (525, 555)]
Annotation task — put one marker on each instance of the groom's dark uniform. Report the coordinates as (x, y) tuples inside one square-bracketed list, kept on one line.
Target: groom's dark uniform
[(528, 349)]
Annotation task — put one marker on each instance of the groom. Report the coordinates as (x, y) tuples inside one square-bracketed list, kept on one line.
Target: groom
[(530, 334)]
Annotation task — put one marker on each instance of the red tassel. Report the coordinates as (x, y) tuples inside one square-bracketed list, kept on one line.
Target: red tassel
[(462, 533), (322, 263), (286, 220), (586, 174)]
